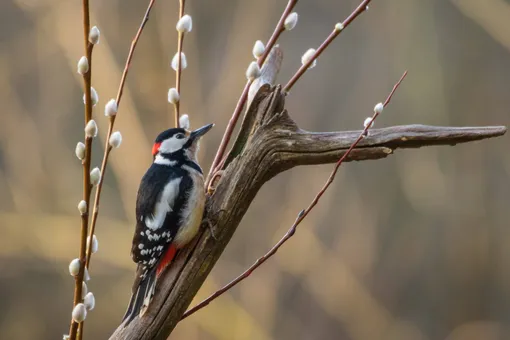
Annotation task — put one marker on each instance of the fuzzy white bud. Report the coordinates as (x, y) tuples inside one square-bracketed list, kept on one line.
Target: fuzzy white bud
[(379, 108), (94, 35), (80, 150), (74, 267), (339, 26), (91, 129), (253, 71), (291, 21), (66, 337), (95, 244), (258, 49), (95, 176), (308, 56), (84, 289), (115, 139), (82, 207), (175, 61), (173, 96), (89, 301), (86, 275), (111, 108), (94, 97), (185, 24), (368, 123), (184, 122), (79, 313), (83, 65)]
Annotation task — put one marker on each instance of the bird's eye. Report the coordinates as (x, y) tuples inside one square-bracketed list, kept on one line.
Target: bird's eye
[(179, 136)]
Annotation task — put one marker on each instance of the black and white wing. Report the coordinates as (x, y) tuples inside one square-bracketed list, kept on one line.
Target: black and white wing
[(161, 195)]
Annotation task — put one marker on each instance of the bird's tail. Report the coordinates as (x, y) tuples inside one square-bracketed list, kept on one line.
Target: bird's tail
[(142, 293), (143, 288)]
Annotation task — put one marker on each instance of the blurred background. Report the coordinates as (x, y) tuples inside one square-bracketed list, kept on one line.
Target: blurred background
[(415, 246)]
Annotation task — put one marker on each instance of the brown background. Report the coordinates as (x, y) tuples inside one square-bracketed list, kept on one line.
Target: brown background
[(415, 246)]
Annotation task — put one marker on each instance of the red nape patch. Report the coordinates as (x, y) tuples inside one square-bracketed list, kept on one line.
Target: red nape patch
[(155, 148), (166, 259)]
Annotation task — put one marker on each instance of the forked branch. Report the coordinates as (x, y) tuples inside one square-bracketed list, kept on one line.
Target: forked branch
[(277, 144)]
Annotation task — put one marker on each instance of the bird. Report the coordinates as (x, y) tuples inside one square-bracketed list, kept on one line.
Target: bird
[(169, 210)]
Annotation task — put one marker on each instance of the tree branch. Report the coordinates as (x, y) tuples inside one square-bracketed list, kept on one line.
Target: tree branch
[(275, 144), (319, 148), (87, 188)]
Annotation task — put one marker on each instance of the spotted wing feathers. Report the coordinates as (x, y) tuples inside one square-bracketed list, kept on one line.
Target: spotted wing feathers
[(163, 192), (162, 195)]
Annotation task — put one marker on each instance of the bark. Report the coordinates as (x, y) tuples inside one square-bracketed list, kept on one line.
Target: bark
[(269, 143)]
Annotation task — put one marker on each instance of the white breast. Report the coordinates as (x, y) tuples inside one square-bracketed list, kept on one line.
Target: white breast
[(193, 210)]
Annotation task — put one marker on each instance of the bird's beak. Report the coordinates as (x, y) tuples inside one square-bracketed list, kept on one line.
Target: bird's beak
[(194, 135)]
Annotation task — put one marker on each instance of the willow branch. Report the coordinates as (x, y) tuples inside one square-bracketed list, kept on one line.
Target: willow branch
[(178, 72), (87, 83), (280, 27), (363, 6), (301, 216)]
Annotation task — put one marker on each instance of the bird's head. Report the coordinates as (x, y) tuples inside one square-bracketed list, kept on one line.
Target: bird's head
[(178, 140)]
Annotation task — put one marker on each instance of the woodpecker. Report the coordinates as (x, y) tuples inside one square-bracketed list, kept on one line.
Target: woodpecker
[(169, 210)]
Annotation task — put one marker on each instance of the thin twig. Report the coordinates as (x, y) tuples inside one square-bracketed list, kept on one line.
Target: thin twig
[(87, 83), (97, 197), (77, 329), (363, 6), (280, 27), (107, 147), (132, 50), (178, 72), (301, 216)]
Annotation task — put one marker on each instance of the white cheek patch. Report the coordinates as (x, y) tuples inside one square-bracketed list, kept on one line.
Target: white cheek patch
[(172, 144), (163, 206), (164, 161)]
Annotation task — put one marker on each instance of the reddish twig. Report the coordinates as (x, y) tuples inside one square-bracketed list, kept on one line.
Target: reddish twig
[(132, 50), (336, 32), (301, 216), (280, 27), (107, 147), (97, 197)]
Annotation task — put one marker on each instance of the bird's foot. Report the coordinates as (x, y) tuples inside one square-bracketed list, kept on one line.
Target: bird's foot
[(211, 223)]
